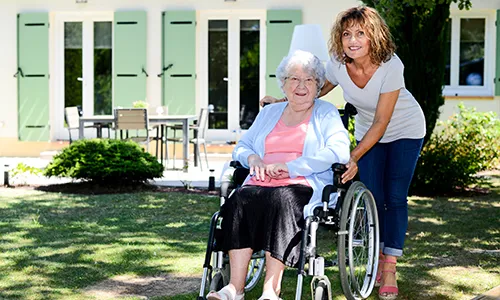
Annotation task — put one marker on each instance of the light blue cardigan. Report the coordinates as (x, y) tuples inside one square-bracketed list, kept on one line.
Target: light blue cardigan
[(327, 142)]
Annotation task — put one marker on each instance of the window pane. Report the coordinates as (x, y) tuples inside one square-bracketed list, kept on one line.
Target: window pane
[(73, 64), (447, 51), (249, 71), (472, 37), (217, 73), (102, 68)]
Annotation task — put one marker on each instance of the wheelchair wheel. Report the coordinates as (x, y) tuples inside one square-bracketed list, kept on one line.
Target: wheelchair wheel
[(219, 279), (321, 291), (358, 242), (255, 270)]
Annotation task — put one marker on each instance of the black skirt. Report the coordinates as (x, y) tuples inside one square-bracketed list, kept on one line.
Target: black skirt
[(266, 218)]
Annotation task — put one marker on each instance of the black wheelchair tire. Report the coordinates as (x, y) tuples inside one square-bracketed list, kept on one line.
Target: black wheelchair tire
[(217, 282), (350, 284)]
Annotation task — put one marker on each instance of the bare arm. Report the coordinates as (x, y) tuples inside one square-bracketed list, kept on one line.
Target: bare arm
[(383, 114), (327, 87)]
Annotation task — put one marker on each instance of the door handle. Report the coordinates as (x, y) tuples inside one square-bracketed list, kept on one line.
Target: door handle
[(225, 79), (19, 72), (80, 79)]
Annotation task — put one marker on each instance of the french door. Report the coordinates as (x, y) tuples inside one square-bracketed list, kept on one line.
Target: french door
[(83, 60), (232, 70)]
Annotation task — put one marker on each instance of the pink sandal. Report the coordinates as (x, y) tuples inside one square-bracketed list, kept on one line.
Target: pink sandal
[(388, 292), (378, 279)]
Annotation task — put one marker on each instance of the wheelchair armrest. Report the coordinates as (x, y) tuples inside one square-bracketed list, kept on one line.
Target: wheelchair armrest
[(240, 172), (235, 164)]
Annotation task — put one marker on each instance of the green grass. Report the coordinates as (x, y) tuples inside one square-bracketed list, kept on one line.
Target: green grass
[(54, 246)]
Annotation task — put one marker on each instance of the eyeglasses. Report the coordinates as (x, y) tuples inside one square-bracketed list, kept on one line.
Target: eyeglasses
[(295, 81)]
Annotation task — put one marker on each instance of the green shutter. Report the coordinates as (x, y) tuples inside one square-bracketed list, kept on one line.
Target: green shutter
[(497, 77), (280, 24), (33, 76), (179, 62), (129, 57)]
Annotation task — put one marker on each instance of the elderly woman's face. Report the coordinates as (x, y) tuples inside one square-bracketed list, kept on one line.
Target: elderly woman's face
[(300, 89), (355, 42)]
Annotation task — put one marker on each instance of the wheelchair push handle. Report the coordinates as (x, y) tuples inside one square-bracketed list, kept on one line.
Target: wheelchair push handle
[(339, 169)]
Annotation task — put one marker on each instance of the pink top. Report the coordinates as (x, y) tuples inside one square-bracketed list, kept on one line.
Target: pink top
[(283, 144)]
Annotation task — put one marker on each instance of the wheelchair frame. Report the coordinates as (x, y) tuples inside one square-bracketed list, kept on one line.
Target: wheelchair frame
[(353, 220)]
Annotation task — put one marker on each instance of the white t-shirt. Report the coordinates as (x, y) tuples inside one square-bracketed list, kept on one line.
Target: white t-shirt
[(407, 121)]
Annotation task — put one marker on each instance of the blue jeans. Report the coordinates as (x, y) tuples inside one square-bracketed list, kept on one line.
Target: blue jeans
[(386, 170)]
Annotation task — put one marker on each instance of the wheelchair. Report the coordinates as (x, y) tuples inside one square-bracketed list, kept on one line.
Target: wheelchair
[(353, 221)]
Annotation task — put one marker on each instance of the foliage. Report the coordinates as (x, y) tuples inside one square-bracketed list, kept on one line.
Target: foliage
[(419, 29), (140, 104), (350, 129), (22, 171), (105, 160), (187, 184), (469, 143)]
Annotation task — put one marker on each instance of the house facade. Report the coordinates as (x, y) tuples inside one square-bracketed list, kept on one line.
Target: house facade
[(182, 55)]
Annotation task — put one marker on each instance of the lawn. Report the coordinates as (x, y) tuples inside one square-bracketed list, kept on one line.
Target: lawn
[(59, 246)]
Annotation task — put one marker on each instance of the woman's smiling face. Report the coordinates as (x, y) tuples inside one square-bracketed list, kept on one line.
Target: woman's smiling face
[(355, 42), (300, 89)]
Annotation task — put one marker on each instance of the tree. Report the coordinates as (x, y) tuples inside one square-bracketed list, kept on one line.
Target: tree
[(419, 28)]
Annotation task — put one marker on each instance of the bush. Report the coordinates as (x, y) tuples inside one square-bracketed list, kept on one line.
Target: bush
[(468, 143), (21, 173), (105, 160)]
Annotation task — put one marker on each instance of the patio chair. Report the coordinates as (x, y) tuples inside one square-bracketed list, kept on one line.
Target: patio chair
[(200, 131), (133, 120), (72, 117)]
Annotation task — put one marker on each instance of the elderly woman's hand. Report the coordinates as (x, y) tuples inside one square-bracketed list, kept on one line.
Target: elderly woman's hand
[(277, 171), (257, 167), (352, 169)]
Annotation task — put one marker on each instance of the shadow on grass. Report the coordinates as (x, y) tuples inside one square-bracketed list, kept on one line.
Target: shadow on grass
[(52, 245), (57, 242)]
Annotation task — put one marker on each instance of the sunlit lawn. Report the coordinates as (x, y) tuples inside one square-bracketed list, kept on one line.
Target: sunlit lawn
[(53, 246)]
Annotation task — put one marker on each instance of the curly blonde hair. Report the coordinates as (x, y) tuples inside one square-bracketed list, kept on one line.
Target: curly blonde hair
[(382, 46)]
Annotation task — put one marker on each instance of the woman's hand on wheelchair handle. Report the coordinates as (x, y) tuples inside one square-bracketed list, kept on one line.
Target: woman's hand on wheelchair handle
[(352, 169), (257, 167), (267, 99)]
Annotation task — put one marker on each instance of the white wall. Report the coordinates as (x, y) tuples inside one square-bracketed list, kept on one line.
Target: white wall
[(314, 11)]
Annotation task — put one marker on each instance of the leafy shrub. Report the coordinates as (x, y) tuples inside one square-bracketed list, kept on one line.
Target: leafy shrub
[(468, 143), (22, 171), (105, 160)]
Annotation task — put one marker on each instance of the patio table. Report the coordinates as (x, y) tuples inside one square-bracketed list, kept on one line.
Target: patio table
[(153, 120)]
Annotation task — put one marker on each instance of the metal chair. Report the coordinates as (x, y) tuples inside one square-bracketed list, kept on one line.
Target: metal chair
[(72, 117), (135, 119), (200, 131)]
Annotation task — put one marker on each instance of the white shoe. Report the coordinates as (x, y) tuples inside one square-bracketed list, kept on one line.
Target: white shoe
[(269, 295), (225, 293)]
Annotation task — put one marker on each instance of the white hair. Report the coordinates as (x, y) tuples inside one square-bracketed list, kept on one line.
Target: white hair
[(309, 63)]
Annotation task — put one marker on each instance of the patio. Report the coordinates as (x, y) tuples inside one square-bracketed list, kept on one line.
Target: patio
[(218, 155)]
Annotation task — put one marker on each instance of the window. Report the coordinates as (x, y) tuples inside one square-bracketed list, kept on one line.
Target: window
[(469, 55)]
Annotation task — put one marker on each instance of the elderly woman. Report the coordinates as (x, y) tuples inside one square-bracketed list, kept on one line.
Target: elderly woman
[(289, 150)]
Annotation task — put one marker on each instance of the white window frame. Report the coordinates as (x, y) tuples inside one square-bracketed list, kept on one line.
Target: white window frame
[(454, 89), (87, 19), (233, 17)]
